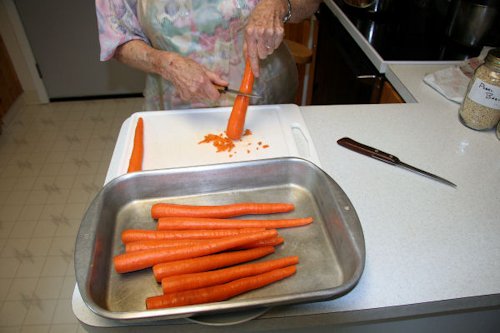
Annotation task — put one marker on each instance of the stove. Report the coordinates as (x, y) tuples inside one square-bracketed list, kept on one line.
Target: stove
[(415, 30)]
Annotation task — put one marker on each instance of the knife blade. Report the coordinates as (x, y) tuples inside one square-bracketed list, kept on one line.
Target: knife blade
[(388, 158), (225, 89)]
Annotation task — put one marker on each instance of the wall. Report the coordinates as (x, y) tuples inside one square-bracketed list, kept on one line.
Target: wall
[(20, 53)]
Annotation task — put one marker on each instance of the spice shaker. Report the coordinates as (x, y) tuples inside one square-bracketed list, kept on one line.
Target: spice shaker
[(480, 109)]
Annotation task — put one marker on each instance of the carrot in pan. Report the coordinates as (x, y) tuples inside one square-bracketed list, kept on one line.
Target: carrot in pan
[(135, 163), (222, 211), (161, 243), (206, 279), (209, 262), (186, 223), (275, 241), (165, 243), (132, 235), (219, 292), (133, 261), (236, 121)]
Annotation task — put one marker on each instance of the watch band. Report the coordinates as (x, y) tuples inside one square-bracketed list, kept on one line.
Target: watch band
[(289, 12)]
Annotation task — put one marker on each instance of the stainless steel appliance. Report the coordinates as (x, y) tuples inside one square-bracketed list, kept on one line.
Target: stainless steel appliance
[(471, 21)]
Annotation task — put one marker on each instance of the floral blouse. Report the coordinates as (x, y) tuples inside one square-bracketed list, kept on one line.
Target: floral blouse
[(207, 31)]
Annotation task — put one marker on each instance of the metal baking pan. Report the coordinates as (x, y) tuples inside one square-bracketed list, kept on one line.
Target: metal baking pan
[(331, 249)]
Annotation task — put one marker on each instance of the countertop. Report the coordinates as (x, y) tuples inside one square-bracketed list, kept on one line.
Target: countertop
[(430, 248)]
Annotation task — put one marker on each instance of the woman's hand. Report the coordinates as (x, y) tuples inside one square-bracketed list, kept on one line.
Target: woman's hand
[(264, 31), (193, 81)]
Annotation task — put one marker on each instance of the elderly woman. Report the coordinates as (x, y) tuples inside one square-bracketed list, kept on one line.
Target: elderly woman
[(187, 46)]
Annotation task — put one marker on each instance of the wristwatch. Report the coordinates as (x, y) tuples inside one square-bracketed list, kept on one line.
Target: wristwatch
[(289, 12)]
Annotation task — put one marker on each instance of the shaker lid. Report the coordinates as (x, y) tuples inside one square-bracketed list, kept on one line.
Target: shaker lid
[(494, 56), (488, 3)]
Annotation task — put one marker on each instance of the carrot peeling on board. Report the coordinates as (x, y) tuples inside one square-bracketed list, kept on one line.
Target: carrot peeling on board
[(236, 121), (206, 279), (133, 235), (133, 261), (187, 223), (137, 156), (219, 292), (209, 262), (222, 211)]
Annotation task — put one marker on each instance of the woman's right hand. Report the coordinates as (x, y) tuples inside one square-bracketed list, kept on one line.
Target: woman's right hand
[(193, 81)]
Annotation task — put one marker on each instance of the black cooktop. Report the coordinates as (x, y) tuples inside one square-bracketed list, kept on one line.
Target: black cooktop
[(414, 30)]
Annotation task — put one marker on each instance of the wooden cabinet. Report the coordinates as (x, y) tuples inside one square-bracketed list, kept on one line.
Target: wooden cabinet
[(298, 37), (10, 87), (389, 94)]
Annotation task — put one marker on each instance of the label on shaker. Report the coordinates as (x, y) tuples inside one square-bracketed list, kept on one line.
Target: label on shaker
[(485, 94)]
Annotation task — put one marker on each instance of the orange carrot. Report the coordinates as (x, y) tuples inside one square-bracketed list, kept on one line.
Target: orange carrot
[(266, 242), (236, 121), (205, 279), (222, 211), (132, 235), (165, 243), (185, 223), (219, 292), (133, 261), (161, 243), (135, 163), (209, 262)]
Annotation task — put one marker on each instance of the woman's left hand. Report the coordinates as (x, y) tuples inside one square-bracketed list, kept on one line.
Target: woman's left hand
[(264, 31)]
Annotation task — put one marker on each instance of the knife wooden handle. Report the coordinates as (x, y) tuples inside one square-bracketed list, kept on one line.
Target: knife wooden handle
[(368, 151)]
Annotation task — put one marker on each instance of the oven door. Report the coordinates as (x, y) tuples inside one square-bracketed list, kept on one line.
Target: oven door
[(343, 73)]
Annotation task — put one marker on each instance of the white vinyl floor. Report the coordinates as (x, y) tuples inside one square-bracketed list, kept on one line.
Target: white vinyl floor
[(53, 160)]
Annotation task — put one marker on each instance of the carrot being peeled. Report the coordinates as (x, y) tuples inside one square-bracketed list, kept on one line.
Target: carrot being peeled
[(137, 155), (133, 261), (186, 223), (236, 122), (209, 262), (205, 279), (221, 211), (219, 292)]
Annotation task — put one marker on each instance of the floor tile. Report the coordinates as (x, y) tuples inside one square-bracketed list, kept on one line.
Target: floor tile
[(9, 267), (12, 313), (40, 312), (21, 288), (49, 287), (64, 328), (30, 268), (54, 160)]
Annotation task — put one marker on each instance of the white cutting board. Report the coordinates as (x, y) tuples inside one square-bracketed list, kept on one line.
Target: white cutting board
[(171, 138)]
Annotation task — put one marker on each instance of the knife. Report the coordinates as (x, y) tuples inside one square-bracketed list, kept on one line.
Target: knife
[(225, 89), (387, 158)]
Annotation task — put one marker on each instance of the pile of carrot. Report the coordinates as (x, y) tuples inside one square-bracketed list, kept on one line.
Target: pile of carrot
[(202, 254)]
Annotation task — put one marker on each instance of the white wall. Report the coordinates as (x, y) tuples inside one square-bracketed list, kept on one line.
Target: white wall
[(20, 53)]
